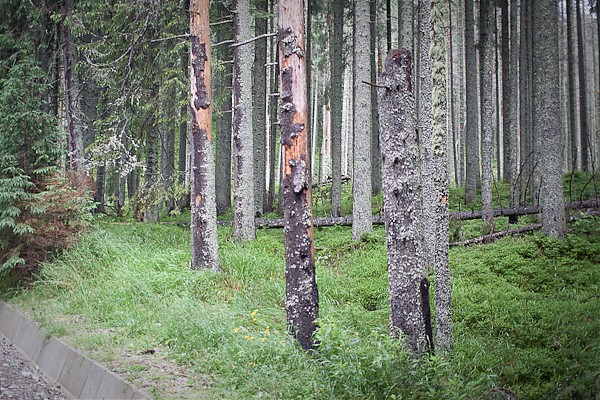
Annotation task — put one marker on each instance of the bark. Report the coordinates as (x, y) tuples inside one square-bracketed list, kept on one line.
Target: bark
[(301, 287), (506, 97), (223, 140), (511, 105), (167, 154), (205, 250), (75, 157), (388, 24), (583, 103), (361, 181), (488, 48), (571, 101), (99, 192), (259, 90), (546, 116), (472, 176), (405, 24), (400, 162), (337, 87), (434, 144), (526, 148), (243, 146), (273, 102), (375, 164), (151, 174)]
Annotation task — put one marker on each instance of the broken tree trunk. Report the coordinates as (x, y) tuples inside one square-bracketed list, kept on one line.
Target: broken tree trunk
[(400, 166), (205, 251), (301, 288)]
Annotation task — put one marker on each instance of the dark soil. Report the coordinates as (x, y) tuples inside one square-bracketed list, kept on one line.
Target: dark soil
[(21, 380)]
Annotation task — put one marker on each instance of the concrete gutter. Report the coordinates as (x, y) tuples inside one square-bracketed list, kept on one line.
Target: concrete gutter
[(79, 376)]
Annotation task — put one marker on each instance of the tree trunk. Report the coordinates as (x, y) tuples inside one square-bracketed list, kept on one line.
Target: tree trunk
[(259, 114), (546, 116), (151, 174), (273, 110), (223, 140), (337, 86), (434, 144), (243, 146), (167, 154), (472, 178), (405, 24), (526, 148), (99, 192), (375, 164), (75, 157), (301, 288), (583, 103), (361, 181), (205, 250), (511, 106), (408, 284), (488, 48)]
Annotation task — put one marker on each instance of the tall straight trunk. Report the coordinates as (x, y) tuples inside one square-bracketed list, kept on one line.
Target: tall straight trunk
[(452, 139), (273, 110), (583, 103), (434, 144), (302, 300), (388, 24), (167, 153), (99, 190), (400, 160), (405, 24), (526, 148), (337, 86), (546, 116), (488, 48), (205, 249), (151, 174), (472, 177), (511, 106), (75, 157), (572, 101), (459, 147), (243, 146), (506, 94), (224, 126), (362, 213), (375, 164), (259, 113)]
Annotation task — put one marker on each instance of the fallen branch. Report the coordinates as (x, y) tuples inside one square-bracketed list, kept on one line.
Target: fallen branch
[(496, 235)]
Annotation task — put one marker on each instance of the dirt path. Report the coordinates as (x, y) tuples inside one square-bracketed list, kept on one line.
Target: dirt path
[(21, 380)]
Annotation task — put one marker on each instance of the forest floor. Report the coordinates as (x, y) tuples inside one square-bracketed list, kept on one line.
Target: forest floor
[(525, 313)]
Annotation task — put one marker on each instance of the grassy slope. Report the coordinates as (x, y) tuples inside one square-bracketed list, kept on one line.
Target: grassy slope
[(525, 312)]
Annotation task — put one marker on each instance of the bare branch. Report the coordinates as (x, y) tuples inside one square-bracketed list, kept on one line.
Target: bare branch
[(377, 85), (254, 39), (185, 36), (223, 42), (226, 21)]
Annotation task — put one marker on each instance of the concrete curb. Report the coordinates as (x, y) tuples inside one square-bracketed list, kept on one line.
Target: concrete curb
[(78, 375)]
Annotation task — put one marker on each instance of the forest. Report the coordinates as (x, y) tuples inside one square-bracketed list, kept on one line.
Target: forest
[(353, 199)]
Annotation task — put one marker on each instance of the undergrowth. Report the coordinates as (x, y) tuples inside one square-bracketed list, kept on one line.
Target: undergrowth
[(525, 315)]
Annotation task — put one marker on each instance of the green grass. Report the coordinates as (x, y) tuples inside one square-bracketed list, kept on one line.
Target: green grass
[(525, 316), (525, 312)]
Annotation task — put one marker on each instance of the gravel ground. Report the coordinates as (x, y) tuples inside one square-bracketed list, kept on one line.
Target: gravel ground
[(21, 380)]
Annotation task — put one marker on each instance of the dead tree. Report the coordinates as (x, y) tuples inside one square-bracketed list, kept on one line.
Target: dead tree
[(302, 302), (401, 178)]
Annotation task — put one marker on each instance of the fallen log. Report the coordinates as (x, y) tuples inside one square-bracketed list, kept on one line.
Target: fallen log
[(455, 215)]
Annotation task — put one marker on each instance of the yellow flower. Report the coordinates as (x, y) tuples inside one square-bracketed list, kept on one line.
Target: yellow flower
[(249, 337), (263, 339), (236, 329), (268, 330), (253, 313)]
